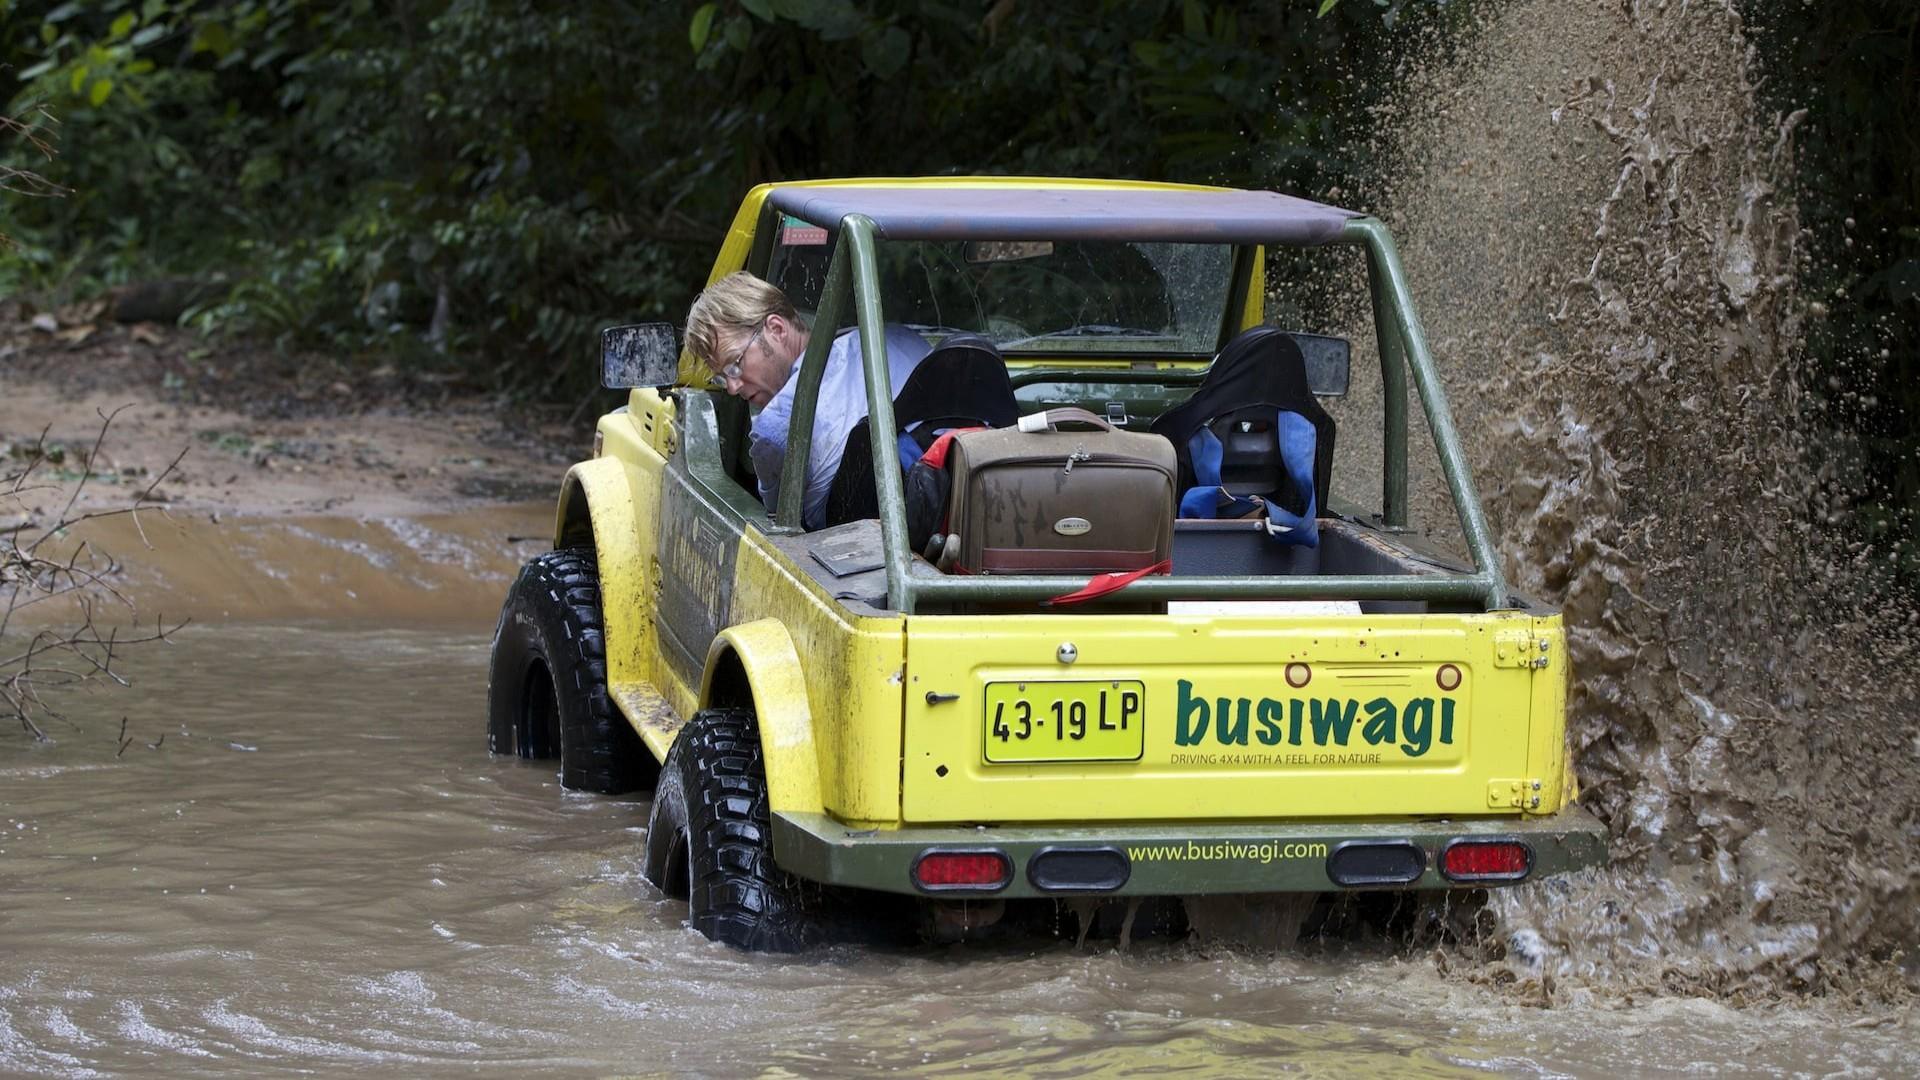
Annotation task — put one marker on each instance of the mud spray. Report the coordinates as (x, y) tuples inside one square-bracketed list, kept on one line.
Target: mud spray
[(1600, 224)]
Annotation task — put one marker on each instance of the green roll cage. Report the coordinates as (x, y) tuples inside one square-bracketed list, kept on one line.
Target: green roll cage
[(1402, 346)]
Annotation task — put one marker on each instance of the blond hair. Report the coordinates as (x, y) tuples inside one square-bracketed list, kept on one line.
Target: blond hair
[(738, 302)]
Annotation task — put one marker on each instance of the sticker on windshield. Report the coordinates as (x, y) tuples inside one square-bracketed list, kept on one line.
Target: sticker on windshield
[(797, 233)]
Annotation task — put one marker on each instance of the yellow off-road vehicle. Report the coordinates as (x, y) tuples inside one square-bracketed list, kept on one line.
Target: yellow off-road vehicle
[(833, 710)]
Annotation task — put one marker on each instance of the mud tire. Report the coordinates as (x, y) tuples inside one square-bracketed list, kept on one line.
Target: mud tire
[(710, 838), (547, 683)]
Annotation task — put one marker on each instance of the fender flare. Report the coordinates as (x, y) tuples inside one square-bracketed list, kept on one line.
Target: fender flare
[(596, 508), (770, 668)]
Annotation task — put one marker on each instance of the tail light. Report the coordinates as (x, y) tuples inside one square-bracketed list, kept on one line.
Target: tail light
[(970, 871), (1486, 860)]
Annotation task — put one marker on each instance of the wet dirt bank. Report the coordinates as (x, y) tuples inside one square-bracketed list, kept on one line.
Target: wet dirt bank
[(1600, 224), (307, 862), (422, 568), (264, 498)]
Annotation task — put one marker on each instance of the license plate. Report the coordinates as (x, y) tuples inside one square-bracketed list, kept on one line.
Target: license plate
[(1066, 721)]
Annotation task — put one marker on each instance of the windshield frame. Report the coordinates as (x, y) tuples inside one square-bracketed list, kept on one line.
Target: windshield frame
[(853, 277)]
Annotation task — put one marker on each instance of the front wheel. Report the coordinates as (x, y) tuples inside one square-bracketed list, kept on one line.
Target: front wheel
[(710, 838), (547, 684)]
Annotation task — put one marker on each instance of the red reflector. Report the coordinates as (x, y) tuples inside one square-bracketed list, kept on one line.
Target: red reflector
[(1498, 860), (962, 870)]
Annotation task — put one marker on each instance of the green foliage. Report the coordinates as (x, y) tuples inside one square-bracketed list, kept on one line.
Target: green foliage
[(484, 183), (122, 116)]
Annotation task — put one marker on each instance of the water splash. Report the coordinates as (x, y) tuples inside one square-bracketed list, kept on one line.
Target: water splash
[(1600, 223)]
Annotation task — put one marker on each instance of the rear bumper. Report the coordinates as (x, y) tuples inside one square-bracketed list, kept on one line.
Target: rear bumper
[(1171, 859)]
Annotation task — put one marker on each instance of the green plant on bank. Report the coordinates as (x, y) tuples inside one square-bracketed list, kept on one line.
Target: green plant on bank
[(227, 442)]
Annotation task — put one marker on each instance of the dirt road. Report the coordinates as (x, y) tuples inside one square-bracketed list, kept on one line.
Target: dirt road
[(279, 489)]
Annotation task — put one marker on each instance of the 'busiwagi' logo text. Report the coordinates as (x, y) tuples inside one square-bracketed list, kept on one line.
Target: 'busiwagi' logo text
[(1326, 721)]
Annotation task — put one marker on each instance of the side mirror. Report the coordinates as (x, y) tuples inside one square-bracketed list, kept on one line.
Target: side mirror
[(1329, 362), (645, 354)]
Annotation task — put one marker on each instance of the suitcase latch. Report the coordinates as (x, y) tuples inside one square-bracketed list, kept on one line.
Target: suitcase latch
[(1117, 413)]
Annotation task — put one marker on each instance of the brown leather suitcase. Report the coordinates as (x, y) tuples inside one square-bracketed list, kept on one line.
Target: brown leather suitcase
[(1035, 499)]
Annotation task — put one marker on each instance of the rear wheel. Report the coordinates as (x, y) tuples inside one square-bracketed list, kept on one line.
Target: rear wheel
[(710, 838), (547, 684)]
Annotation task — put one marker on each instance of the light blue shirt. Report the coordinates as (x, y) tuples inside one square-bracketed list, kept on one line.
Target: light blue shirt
[(843, 401)]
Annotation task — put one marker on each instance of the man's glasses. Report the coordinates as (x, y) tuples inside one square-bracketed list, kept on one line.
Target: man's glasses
[(732, 369)]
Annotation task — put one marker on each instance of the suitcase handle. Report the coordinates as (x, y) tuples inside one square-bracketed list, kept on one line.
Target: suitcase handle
[(1070, 414)]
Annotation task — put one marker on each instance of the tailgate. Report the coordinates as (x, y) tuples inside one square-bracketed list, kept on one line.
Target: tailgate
[(1014, 719)]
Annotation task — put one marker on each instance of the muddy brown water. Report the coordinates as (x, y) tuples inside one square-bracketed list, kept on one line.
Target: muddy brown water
[(307, 861)]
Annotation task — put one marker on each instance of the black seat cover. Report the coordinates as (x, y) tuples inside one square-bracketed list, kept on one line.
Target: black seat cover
[(961, 383), (1259, 373)]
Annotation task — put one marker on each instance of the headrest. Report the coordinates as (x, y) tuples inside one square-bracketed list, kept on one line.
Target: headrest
[(964, 376), (1259, 367)]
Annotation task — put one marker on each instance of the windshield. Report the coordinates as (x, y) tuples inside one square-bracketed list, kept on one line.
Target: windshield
[(1035, 298)]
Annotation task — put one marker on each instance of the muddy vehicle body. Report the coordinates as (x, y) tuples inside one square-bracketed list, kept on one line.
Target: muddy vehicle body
[(829, 710)]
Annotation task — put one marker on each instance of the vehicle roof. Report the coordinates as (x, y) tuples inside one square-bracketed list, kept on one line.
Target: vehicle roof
[(1018, 208)]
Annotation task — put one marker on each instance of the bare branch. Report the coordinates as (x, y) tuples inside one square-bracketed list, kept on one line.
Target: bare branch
[(82, 652), (18, 181), (86, 471)]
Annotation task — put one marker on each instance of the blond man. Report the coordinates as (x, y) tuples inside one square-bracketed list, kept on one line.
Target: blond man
[(748, 334)]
